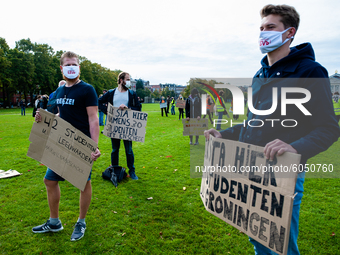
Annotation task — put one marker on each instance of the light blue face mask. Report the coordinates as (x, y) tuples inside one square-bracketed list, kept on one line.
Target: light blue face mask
[(271, 40)]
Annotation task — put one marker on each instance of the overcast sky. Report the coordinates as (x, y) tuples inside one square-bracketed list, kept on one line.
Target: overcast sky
[(168, 41)]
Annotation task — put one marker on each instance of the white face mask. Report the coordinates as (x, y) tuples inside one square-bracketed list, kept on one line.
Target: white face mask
[(271, 40), (71, 72), (127, 84)]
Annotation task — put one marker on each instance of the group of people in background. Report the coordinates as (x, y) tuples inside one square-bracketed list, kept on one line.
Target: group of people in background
[(40, 102), (169, 101)]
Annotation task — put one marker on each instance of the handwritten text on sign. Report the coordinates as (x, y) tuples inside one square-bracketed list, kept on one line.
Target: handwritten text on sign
[(180, 103), (194, 126), (62, 148), (125, 124), (257, 203)]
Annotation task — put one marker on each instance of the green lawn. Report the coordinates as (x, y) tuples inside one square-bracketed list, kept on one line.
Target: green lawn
[(122, 221)]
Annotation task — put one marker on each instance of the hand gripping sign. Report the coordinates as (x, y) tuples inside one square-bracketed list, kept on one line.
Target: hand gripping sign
[(125, 124), (62, 148), (248, 192)]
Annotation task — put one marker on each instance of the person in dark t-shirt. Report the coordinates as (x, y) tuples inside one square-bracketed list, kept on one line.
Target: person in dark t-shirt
[(77, 104)]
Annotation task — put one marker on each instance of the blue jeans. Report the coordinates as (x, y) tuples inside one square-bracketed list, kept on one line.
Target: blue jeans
[(101, 117), (173, 110), (130, 158), (294, 225), (220, 116), (22, 111)]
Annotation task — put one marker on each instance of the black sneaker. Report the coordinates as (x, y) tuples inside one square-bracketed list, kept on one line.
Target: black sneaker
[(48, 227), (78, 232)]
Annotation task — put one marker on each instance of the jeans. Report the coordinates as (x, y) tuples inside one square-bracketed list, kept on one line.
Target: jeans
[(130, 158), (220, 116), (23, 111), (173, 110), (101, 117), (181, 112), (164, 111), (294, 225)]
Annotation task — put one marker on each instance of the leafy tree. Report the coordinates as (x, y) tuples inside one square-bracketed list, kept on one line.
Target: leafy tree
[(143, 93), (156, 94), (21, 71), (5, 64), (45, 73), (139, 84)]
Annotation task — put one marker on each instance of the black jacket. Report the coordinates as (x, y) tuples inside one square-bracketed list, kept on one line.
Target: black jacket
[(133, 103)]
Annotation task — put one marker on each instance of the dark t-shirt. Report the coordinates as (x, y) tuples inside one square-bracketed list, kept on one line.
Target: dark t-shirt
[(72, 103)]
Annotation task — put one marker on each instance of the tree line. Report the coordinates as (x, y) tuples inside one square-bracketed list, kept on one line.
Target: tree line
[(32, 68)]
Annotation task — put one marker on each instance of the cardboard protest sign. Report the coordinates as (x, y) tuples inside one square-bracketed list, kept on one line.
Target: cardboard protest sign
[(125, 124), (162, 105), (62, 148), (249, 192), (180, 103), (194, 126)]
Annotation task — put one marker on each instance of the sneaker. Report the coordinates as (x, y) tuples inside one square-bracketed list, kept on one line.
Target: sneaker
[(191, 143), (196, 143), (47, 227), (133, 176), (78, 232)]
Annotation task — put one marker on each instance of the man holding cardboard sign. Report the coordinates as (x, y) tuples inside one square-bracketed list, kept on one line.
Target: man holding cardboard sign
[(77, 104), (123, 98), (310, 132)]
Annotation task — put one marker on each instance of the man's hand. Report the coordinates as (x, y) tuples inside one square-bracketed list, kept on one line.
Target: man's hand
[(95, 155), (212, 132), (37, 116), (198, 117), (122, 107), (277, 147), (188, 119)]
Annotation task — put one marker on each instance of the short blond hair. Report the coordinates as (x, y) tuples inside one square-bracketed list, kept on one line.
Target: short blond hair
[(68, 54)]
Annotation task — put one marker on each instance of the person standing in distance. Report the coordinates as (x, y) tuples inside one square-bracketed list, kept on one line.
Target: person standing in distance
[(313, 133), (77, 104), (123, 98)]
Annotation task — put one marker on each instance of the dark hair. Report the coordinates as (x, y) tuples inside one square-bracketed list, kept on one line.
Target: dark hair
[(220, 92), (194, 91), (121, 76), (289, 16)]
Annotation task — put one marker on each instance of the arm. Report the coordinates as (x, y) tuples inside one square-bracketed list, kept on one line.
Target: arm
[(104, 99), (133, 102), (94, 128), (324, 130)]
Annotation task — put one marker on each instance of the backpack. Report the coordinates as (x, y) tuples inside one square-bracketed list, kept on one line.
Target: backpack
[(115, 174)]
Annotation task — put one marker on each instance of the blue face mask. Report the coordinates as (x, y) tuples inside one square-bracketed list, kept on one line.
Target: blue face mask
[(271, 40)]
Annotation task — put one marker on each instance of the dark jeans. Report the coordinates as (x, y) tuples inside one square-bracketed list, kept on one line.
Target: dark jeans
[(181, 111), (166, 113), (130, 158), (209, 114), (101, 118), (23, 111)]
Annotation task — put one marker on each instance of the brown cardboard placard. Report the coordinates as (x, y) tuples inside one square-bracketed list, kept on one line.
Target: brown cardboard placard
[(258, 203), (194, 126), (125, 124), (180, 103), (63, 148)]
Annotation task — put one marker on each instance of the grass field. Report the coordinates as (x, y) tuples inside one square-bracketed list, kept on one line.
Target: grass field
[(122, 221)]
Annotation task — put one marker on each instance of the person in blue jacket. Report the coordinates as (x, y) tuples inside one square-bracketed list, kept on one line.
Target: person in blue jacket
[(123, 98), (287, 67)]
